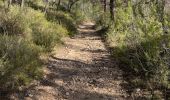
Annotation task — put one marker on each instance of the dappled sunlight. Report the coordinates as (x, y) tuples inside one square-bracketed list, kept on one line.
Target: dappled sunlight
[(84, 50), (84, 70)]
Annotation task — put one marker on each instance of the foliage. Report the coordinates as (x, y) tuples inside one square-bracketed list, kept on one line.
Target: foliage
[(82, 10), (32, 25), (64, 19), (19, 62), (12, 22), (138, 35), (47, 37), (23, 35), (44, 33), (36, 4), (140, 44)]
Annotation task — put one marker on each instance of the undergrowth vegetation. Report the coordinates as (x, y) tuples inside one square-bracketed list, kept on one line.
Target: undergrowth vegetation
[(136, 30), (19, 62), (139, 37), (12, 22), (44, 33), (25, 34), (64, 19)]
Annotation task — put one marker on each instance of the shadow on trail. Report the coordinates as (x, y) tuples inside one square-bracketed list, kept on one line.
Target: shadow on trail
[(66, 68), (94, 51), (77, 79), (97, 74), (92, 73)]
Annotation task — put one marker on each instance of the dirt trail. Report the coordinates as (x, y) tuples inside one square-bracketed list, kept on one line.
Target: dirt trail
[(81, 70)]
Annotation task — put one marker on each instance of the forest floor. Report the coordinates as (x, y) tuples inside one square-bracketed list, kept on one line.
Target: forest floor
[(81, 70)]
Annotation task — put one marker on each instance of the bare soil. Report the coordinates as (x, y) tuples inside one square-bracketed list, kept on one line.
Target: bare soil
[(80, 70)]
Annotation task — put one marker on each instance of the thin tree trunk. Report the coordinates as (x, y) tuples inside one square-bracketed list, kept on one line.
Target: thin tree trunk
[(58, 5), (163, 13), (71, 4), (126, 2), (105, 5), (22, 3), (46, 8), (112, 8), (9, 3)]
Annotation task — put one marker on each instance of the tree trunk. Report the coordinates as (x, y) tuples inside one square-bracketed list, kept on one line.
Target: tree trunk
[(58, 4), (112, 8), (22, 3), (46, 6), (71, 4), (105, 5), (163, 13), (9, 3)]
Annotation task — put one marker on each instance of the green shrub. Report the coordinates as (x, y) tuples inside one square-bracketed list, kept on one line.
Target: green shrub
[(23, 35), (47, 37), (44, 33), (36, 4), (63, 19), (83, 11), (103, 21), (138, 43), (12, 22), (32, 25), (19, 62)]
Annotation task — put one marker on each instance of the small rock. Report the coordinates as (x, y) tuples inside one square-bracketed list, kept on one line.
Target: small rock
[(50, 66), (67, 93), (93, 81), (72, 91), (30, 95), (137, 90), (20, 88), (101, 80)]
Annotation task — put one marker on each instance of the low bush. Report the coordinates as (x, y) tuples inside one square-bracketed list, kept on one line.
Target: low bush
[(46, 37), (83, 11), (44, 33), (141, 47), (36, 4), (24, 34), (32, 25), (12, 22), (103, 22), (63, 19), (19, 62)]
